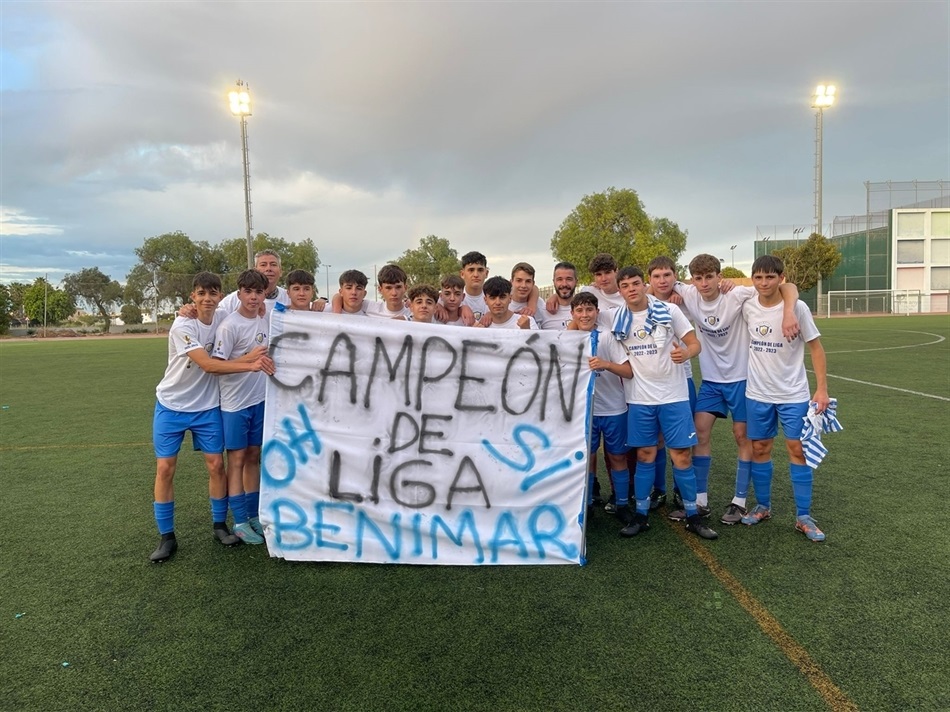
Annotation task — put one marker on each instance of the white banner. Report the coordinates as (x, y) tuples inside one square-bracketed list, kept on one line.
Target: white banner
[(397, 442)]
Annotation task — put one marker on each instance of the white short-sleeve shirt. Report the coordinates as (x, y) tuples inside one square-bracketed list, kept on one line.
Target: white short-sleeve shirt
[(185, 387), (237, 336), (776, 366)]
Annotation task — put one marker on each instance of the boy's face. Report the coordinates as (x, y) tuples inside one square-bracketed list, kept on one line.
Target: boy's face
[(521, 284), (662, 280), (352, 295), (452, 298), (251, 299), (300, 296), (474, 276), (606, 281), (394, 294), (707, 284), (206, 300), (565, 283), (422, 308), (766, 283), (269, 266), (498, 306), (633, 291), (585, 316)]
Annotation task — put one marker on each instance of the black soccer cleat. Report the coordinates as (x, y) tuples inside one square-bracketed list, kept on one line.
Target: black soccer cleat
[(637, 526), (166, 548), (224, 535), (695, 525)]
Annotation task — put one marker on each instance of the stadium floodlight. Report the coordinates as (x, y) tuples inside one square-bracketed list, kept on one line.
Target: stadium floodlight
[(733, 248), (239, 100), (823, 98)]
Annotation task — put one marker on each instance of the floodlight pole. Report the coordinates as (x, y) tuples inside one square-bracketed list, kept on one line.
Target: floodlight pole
[(327, 295), (824, 96), (240, 101), (733, 248)]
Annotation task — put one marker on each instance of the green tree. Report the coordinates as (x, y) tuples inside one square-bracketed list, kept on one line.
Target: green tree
[(43, 298), (6, 306), (167, 265), (615, 222), (96, 289), (430, 262), (131, 314), (293, 255), (732, 273), (16, 291), (814, 258)]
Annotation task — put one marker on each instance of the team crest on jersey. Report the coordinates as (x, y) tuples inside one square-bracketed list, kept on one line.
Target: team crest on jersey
[(209, 347), (187, 340), (763, 329), (260, 337), (712, 320), (642, 334)]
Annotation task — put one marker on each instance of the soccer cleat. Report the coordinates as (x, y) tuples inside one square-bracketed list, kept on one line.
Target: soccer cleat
[(677, 500), (677, 515), (166, 548), (245, 532), (255, 523), (638, 525), (758, 514), (657, 499), (625, 514), (807, 526), (694, 525), (611, 506), (703, 510), (733, 514), (224, 536)]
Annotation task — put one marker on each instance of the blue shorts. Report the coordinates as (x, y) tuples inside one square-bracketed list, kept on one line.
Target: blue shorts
[(674, 420), (691, 385), (764, 417), (244, 428), (614, 430), (722, 399), (169, 426)]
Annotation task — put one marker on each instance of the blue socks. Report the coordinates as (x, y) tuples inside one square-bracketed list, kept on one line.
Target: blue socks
[(621, 482), (219, 509), (762, 482), (801, 487), (251, 503), (236, 502), (701, 465), (685, 480), (743, 475), (659, 479), (643, 480), (164, 516)]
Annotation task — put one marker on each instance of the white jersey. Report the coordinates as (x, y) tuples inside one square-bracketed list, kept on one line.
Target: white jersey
[(381, 311), (656, 378), (721, 330), (554, 322), (609, 394), (776, 366), (517, 307), (185, 387), (237, 336), (231, 303), (688, 363), (477, 304), (604, 300), (512, 323)]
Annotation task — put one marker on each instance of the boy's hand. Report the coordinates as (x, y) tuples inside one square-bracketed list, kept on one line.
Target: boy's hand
[(679, 354), (318, 305), (440, 314), (821, 400), (597, 364), (262, 310), (675, 299), (189, 311), (468, 316), (552, 304), (265, 364), (528, 310), (726, 286), (790, 325), (337, 303), (524, 321), (255, 354), (485, 320), (571, 326)]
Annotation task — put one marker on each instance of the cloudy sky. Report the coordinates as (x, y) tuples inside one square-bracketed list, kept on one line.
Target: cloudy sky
[(375, 124)]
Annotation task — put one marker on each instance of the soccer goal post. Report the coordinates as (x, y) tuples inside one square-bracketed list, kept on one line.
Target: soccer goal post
[(874, 301)]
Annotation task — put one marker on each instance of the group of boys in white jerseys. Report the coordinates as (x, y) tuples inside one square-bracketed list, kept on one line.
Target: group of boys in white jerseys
[(750, 342)]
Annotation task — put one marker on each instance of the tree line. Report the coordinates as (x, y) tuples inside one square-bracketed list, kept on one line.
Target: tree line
[(614, 221)]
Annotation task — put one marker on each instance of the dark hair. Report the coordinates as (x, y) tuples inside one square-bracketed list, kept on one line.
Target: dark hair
[(474, 258), (300, 276), (704, 264), (252, 279), (566, 265), (354, 276), (602, 262), (628, 272), (453, 281), (206, 280), (768, 264), (419, 290), (585, 298), (661, 262), (496, 287), (391, 274), (522, 267)]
